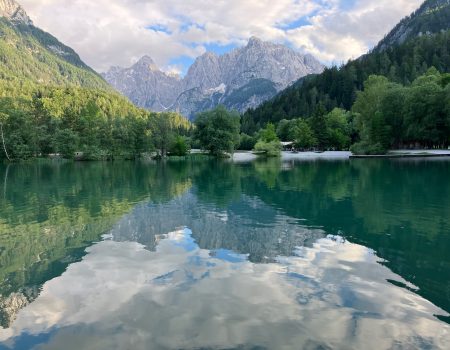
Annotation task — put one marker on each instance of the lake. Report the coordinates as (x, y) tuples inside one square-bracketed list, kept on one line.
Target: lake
[(200, 254)]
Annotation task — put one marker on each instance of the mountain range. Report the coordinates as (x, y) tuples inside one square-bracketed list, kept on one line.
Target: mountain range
[(269, 81), (239, 80)]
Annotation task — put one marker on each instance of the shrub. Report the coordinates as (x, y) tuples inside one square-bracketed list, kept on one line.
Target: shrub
[(364, 148), (179, 147), (269, 149), (247, 143)]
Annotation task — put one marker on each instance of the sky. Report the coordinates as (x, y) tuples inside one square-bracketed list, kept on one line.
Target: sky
[(109, 33)]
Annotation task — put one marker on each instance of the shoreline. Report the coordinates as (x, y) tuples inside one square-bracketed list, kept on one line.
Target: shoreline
[(407, 154), (248, 156), (286, 156), (397, 156)]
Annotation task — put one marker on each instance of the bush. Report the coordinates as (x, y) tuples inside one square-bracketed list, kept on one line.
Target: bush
[(95, 153), (364, 148), (269, 149), (247, 143), (179, 147)]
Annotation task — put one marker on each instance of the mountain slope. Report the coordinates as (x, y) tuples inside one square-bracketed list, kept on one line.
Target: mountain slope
[(241, 79), (432, 17), (406, 53), (28, 53)]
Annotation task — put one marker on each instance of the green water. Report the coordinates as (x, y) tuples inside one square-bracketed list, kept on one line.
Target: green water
[(215, 255)]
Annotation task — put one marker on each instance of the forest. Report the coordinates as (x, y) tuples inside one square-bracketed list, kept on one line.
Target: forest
[(96, 124), (385, 115), (51, 103)]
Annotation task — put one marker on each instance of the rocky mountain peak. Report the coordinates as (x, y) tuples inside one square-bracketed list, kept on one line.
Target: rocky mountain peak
[(240, 79), (208, 55), (204, 73), (11, 10), (147, 62), (255, 41)]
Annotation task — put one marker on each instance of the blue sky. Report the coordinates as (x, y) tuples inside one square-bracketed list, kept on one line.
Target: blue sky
[(174, 32)]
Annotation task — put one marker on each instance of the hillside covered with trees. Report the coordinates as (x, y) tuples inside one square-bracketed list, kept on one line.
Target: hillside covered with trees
[(29, 54)]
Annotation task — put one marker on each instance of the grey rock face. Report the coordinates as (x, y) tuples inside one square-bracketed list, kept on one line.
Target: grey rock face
[(14, 12), (145, 84), (240, 79)]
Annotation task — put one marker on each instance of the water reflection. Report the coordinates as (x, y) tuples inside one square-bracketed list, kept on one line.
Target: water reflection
[(256, 228), (332, 295), (247, 226), (50, 213)]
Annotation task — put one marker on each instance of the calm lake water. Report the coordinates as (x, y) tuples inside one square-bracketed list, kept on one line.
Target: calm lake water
[(213, 255)]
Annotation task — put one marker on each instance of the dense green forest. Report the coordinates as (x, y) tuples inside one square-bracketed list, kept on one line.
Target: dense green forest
[(96, 124), (405, 106), (385, 115), (390, 115), (217, 131), (395, 96), (40, 120)]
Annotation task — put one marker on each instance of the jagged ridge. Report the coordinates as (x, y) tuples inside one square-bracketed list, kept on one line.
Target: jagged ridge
[(258, 70)]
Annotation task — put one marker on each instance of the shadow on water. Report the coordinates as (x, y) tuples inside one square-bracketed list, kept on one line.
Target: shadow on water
[(51, 212)]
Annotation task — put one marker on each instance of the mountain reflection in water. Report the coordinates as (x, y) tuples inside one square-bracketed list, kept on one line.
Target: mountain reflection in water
[(122, 296), (214, 255)]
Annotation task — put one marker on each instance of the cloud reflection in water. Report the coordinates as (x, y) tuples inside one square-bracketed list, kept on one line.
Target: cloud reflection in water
[(334, 294)]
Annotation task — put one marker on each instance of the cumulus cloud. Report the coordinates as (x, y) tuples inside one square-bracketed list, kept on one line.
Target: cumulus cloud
[(338, 35), (119, 32)]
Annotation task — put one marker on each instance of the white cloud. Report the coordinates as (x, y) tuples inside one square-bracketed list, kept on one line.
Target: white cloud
[(115, 32), (336, 35)]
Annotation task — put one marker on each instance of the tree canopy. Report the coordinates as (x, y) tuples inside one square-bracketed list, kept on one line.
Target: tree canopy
[(217, 131), (40, 120), (389, 115)]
